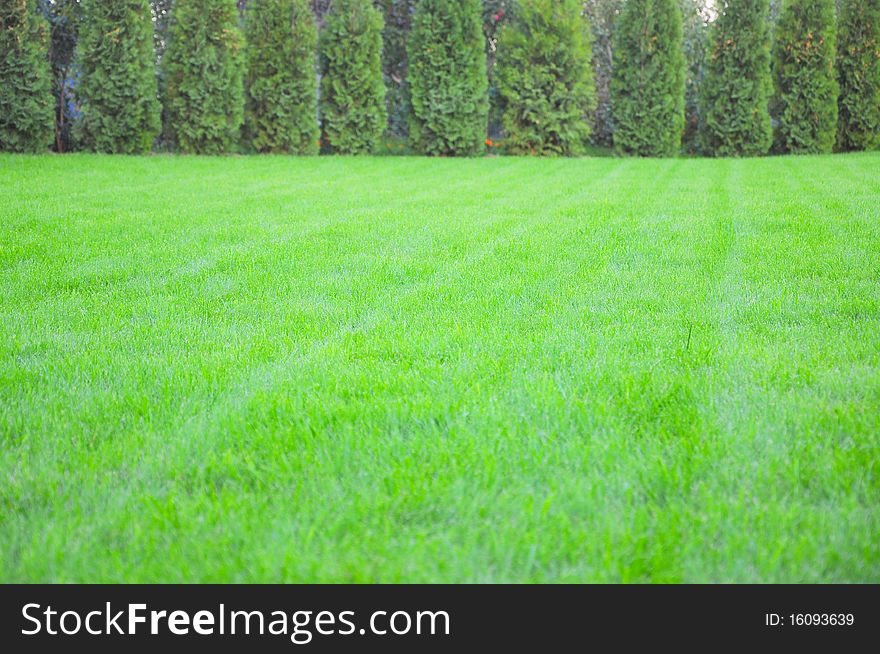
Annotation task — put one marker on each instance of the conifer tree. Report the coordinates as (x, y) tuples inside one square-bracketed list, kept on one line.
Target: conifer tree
[(858, 71), (447, 78), (281, 111), (26, 105), (118, 88), (806, 90), (648, 82), (203, 77), (545, 78), (353, 113), (737, 84)]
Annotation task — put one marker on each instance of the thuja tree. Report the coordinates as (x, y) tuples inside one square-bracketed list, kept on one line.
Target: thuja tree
[(26, 113), (805, 102), (858, 69), (545, 78), (118, 91), (281, 112), (448, 81), (202, 75), (737, 84), (353, 113), (647, 85)]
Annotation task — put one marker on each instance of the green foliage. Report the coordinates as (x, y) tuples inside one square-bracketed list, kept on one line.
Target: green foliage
[(353, 113), (118, 91), (26, 120), (281, 114), (448, 80), (737, 85), (203, 70), (805, 104), (648, 82), (545, 78), (858, 69)]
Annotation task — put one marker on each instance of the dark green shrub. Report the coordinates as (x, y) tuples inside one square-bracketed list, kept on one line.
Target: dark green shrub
[(203, 71), (858, 73), (118, 90), (737, 84), (805, 103), (26, 113), (281, 111), (447, 78), (353, 114), (648, 82), (545, 78)]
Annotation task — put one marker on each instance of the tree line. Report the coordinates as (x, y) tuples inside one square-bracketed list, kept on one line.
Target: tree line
[(545, 77)]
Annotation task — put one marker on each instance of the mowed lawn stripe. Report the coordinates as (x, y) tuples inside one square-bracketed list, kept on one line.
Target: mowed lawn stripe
[(401, 369)]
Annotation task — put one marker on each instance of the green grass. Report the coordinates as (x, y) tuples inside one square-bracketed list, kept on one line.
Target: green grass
[(401, 369)]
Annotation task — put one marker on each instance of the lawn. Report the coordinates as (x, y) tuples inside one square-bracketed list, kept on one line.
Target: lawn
[(403, 369)]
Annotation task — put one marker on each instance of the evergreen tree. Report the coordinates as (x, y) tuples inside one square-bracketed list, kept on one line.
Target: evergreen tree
[(545, 78), (648, 82), (353, 113), (447, 78), (203, 70), (118, 91), (805, 104), (858, 69), (737, 85), (26, 114), (281, 114)]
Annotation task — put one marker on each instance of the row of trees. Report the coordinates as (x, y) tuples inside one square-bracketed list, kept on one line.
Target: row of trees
[(820, 86), (445, 65)]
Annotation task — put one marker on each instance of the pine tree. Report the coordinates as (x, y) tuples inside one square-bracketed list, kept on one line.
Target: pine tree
[(447, 78), (805, 104), (281, 113), (118, 91), (26, 105), (545, 78), (353, 113), (648, 82), (858, 70), (737, 84), (203, 70)]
